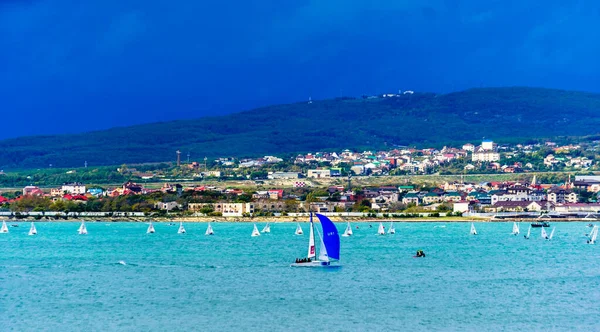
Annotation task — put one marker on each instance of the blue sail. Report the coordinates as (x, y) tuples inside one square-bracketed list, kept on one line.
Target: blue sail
[(331, 238)]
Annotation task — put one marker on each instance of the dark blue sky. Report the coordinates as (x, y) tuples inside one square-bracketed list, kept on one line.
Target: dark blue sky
[(72, 66)]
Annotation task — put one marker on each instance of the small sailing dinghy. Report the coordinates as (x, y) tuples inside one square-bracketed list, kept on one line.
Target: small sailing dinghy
[(348, 231), (544, 234), (515, 230), (381, 229), (209, 230), (298, 229), (528, 233), (82, 229), (181, 230), (551, 234), (267, 228), (473, 230), (4, 228), (392, 230), (150, 229), (32, 230), (329, 250), (593, 235), (255, 231)]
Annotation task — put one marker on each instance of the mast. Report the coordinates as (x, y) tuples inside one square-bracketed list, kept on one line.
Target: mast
[(311, 239)]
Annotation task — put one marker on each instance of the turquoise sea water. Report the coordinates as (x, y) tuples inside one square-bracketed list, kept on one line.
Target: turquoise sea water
[(61, 281)]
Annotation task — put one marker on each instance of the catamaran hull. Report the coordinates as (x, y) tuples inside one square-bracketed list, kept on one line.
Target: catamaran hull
[(314, 264)]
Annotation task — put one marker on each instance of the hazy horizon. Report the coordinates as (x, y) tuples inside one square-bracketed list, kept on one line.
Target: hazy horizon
[(74, 67)]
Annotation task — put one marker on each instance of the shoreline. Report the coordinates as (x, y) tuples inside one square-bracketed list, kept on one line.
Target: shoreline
[(288, 219)]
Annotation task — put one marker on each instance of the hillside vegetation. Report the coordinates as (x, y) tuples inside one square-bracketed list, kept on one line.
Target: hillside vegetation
[(420, 119)]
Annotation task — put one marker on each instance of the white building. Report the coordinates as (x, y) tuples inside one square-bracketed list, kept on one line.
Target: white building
[(484, 155), (487, 145), (236, 209), (73, 188), (469, 147)]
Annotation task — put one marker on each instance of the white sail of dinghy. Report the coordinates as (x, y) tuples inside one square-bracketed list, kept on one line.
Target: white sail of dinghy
[(267, 228), (544, 234), (298, 229), (381, 229), (551, 234), (4, 228), (32, 230), (473, 230), (255, 231), (181, 229), (348, 231), (515, 230), (209, 230), (593, 235), (82, 229), (392, 229), (150, 229)]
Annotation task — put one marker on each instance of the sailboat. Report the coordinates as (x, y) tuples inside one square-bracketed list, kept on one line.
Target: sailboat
[(255, 231), (544, 234), (209, 230), (82, 229), (392, 230), (181, 230), (32, 230), (552, 233), (381, 229), (593, 235), (515, 230), (150, 229), (348, 231), (330, 245), (528, 233), (298, 230), (473, 230), (4, 228), (267, 228)]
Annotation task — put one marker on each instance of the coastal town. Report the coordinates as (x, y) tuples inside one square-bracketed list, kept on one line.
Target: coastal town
[(323, 182)]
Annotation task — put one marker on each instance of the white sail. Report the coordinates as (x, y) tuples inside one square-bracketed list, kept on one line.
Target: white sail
[(82, 229), (311, 241), (544, 235), (473, 230), (392, 230), (528, 232), (593, 235), (381, 229), (298, 230), (4, 228), (209, 230), (323, 251), (32, 230), (150, 229), (551, 234), (515, 230), (348, 231), (181, 230), (267, 228), (255, 231)]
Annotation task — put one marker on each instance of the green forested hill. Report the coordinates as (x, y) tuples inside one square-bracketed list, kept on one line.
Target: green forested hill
[(418, 119)]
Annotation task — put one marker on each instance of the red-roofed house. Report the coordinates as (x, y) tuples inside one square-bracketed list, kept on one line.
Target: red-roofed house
[(275, 193), (32, 191)]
